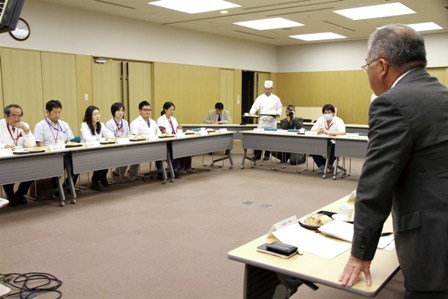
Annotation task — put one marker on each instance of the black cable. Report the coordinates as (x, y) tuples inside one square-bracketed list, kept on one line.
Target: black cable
[(29, 285)]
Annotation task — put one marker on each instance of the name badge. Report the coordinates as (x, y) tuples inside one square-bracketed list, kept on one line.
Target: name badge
[(93, 143), (56, 147), (123, 140)]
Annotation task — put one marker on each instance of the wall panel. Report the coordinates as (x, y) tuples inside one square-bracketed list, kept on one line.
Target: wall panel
[(59, 83), (22, 82)]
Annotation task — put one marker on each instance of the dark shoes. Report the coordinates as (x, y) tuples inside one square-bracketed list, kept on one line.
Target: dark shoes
[(266, 158), (256, 158), (16, 199), (96, 185), (20, 198)]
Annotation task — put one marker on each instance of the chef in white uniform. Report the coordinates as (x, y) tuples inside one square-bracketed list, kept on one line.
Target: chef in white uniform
[(269, 107)]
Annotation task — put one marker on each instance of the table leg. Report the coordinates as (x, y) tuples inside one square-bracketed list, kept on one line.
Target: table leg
[(69, 170), (61, 193)]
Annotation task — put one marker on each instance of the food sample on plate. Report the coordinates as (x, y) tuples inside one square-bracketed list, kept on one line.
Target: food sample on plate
[(317, 219)]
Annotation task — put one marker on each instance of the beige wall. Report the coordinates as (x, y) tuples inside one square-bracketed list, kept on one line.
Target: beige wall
[(31, 78), (349, 91)]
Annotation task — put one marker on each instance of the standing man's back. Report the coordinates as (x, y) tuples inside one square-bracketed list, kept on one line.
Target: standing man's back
[(406, 170)]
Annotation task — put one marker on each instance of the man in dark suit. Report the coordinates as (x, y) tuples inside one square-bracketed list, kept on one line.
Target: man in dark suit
[(406, 168)]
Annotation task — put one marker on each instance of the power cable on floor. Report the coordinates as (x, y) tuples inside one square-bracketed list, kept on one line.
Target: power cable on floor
[(29, 285)]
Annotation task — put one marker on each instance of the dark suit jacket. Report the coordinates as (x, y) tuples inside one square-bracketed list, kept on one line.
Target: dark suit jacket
[(298, 123), (406, 171)]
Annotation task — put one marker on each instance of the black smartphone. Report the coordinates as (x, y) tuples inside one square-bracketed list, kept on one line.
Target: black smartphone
[(278, 249)]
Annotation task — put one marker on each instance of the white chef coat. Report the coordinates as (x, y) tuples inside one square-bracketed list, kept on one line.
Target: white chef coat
[(267, 105)]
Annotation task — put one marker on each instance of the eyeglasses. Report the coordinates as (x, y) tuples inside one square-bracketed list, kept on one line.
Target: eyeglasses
[(366, 66)]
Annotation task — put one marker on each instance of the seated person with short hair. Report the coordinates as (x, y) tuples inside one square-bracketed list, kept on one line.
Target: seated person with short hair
[(218, 116), (144, 125), (288, 123), (51, 130), (120, 128), (15, 133), (328, 124)]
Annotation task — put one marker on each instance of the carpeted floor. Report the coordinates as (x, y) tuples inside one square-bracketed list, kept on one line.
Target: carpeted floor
[(148, 240)]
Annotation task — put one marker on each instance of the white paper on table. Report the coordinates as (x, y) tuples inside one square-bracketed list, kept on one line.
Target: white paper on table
[(344, 231), (311, 242)]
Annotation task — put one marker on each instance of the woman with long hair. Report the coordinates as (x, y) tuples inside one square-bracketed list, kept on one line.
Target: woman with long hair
[(169, 125), (92, 129)]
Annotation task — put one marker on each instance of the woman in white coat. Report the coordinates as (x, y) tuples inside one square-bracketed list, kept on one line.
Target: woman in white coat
[(92, 129)]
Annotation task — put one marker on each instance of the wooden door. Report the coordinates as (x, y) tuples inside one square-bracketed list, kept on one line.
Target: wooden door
[(226, 90), (139, 88), (107, 84)]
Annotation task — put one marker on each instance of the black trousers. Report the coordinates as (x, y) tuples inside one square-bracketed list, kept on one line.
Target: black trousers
[(425, 295), (23, 188)]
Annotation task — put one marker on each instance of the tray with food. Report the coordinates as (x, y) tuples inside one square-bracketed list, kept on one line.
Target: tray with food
[(73, 144), (28, 151), (167, 136), (316, 220)]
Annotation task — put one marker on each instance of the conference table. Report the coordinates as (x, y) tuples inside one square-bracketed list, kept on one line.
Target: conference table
[(264, 272), (235, 128), (87, 159), (349, 145), (29, 166), (191, 145)]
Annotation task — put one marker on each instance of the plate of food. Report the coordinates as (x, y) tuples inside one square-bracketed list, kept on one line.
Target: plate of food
[(28, 151), (107, 140), (315, 220), (72, 144), (137, 138), (167, 136)]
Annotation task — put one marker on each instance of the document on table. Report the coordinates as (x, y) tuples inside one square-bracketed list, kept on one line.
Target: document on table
[(311, 241), (344, 231)]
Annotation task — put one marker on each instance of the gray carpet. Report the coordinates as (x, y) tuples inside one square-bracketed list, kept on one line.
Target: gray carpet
[(148, 240)]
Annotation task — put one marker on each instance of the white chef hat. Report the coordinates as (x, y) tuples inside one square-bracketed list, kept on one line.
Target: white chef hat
[(268, 84)]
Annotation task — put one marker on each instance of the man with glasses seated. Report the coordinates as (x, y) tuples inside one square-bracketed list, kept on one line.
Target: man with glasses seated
[(143, 125), (15, 134)]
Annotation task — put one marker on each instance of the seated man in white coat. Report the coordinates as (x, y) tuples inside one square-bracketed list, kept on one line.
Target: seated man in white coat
[(143, 125), (15, 134)]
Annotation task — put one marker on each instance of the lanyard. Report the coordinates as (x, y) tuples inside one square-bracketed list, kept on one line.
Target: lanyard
[(119, 125), (328, 128), (53, 128), (172, 128), (16, 139)]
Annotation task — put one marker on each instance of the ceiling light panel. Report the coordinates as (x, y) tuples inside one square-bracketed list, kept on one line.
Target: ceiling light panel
[(269, 24), (318, 36), (375, 11), (425, 26), (194, 6)]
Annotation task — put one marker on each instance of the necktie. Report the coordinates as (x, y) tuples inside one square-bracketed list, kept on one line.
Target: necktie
[(219, 117)]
